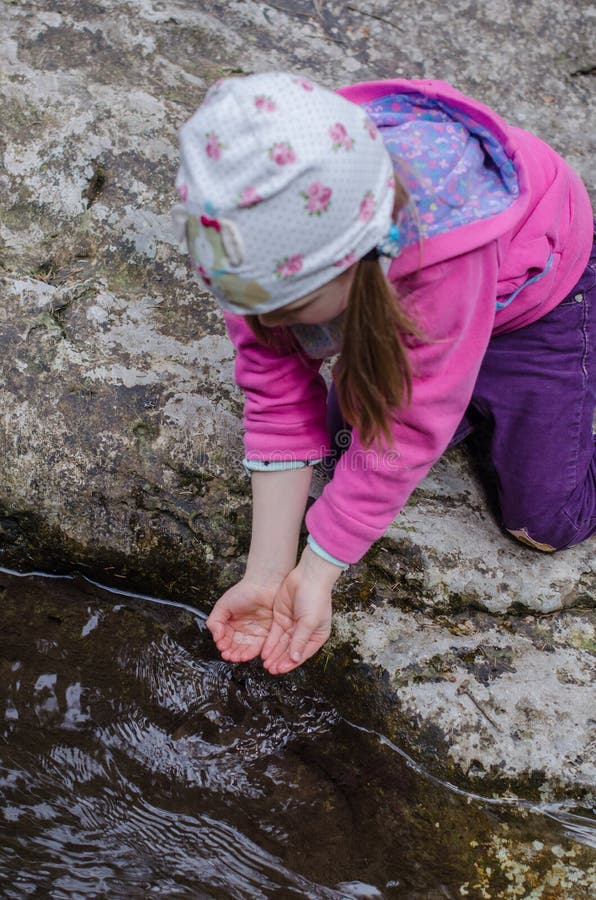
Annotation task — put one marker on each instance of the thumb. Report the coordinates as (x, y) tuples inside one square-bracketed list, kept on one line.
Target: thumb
[(215, 624), (300, 639), (216, 629)]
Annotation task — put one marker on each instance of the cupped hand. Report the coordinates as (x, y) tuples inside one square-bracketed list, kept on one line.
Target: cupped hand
[(241, 619), (301, 613)]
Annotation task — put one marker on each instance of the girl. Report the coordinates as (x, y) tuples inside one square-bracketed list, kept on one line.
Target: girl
[(445, 255)]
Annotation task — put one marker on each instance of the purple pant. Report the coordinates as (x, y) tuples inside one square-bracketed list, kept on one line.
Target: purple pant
[(536, 390)]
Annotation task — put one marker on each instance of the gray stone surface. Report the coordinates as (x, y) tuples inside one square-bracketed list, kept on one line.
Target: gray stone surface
[(511, 696), (120, 428)]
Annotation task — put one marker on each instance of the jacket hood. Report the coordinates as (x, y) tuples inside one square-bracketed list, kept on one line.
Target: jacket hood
[(458, 162)]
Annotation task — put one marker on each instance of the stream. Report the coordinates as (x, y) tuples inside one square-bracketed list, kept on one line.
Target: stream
[(134, 762)]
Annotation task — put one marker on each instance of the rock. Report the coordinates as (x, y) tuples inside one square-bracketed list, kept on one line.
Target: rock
[(121, 435), (502, 700)]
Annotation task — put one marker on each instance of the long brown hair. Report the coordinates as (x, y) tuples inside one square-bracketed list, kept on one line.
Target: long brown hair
[(372, 376)]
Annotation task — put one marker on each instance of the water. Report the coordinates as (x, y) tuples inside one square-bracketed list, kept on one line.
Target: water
[(135, 763)]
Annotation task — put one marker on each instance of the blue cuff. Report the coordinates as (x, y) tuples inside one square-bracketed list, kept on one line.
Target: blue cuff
[(316, 548), (257, 465)]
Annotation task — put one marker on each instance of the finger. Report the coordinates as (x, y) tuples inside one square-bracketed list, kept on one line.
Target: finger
[(281, 664), (284, 666), (316, 642), (225, 641), (285, 662), (216, 629), (222, 637), (280, 661), (276, 636), (280, 653), (279, 649), (303, 633), (216, 622), (290, 651), (240, 654), (279, 656)]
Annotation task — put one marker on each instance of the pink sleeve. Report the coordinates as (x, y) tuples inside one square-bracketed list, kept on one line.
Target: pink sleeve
[(454, 303), (285, 408)]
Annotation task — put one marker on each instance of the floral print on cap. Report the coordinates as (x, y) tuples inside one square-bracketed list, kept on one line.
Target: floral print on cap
[(265, 104), (340, 137), (282, 154), (367, 207), (214, 146), (289, 266), (304, 83), (318, 198), (249, 197)]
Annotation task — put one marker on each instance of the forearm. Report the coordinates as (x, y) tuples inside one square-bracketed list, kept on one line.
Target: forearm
[(279, 501)]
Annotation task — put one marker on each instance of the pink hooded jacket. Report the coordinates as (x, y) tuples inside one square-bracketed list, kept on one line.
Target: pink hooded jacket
[(498, 232)]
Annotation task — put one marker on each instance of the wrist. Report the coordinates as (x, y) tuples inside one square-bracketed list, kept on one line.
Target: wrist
[(319, 569), (267, 574), (320, 551)]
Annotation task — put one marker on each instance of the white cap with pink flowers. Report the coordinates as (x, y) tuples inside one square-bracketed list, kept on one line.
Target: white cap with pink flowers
[(284, 184)]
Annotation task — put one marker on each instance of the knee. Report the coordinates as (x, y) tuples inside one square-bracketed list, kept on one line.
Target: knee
[(557, 534), (570, 523), (523, 536)]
